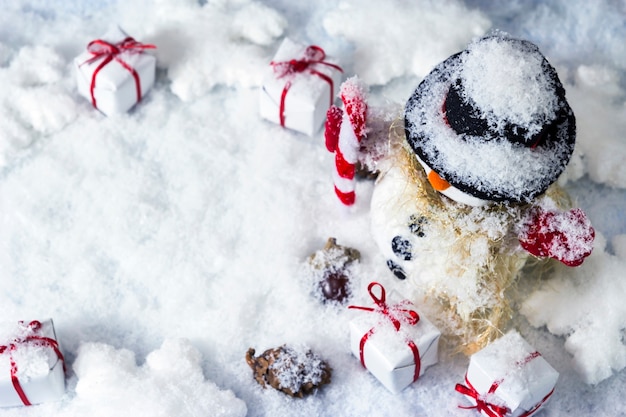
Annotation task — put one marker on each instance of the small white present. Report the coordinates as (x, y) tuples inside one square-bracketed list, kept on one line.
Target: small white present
[(114, 73), (299, 86), (393, 341), (32, 369), (508, 378)]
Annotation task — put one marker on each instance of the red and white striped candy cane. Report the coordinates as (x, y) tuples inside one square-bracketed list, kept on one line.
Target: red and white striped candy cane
[(344, 131)]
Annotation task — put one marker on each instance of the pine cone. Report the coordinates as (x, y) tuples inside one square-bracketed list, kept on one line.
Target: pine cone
[(331, 271), (296, 372)]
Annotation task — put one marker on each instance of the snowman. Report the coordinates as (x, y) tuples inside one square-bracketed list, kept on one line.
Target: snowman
[(466, 193)]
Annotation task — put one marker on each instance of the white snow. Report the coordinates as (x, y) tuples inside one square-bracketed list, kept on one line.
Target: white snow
[(221, 44), (586, 305), (598, 102), (167, 241), (169, 383), (402, 38)]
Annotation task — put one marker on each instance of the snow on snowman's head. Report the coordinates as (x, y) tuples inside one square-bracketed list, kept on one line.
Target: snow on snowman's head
[(492, 123)]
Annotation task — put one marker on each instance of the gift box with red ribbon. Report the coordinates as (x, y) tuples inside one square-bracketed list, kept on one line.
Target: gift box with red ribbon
[(32, 368), (392, 340), (115, 72), (508, 378), (299, 86)]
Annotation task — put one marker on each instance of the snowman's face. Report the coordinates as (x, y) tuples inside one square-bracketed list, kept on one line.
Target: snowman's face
[(449, 190)]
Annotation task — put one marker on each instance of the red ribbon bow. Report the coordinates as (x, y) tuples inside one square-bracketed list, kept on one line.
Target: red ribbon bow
[(313, 55), (396, 314), (109, 52), (32, 328), (482, 405)]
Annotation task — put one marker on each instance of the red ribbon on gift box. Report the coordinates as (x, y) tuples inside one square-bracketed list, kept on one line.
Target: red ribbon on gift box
[(108, 52), (490, 409), (397, 315), (33, 327), (482, 405), (313, 55)]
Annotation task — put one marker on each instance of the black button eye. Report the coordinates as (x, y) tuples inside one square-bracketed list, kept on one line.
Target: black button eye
[(417, 224), (396, 269), (402, 248)]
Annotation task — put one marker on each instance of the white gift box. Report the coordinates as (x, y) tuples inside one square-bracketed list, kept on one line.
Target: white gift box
[(39, 372), (386, 352), (509, 373), (308, 95), (116, 88)]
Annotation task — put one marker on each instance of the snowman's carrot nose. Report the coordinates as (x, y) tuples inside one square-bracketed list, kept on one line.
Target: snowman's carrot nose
[(437, 182)]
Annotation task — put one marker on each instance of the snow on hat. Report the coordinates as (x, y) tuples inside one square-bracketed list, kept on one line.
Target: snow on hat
[(493, 121)]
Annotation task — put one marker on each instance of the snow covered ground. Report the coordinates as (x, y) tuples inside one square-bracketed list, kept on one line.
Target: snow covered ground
[(167, 241)]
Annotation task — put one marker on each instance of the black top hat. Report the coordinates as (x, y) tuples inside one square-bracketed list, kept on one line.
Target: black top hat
[(493, 121)]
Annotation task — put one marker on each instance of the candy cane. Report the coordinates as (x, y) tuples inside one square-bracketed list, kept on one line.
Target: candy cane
[(344, 131)]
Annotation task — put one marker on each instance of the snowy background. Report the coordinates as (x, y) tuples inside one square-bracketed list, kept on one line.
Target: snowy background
[(167, 241)]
